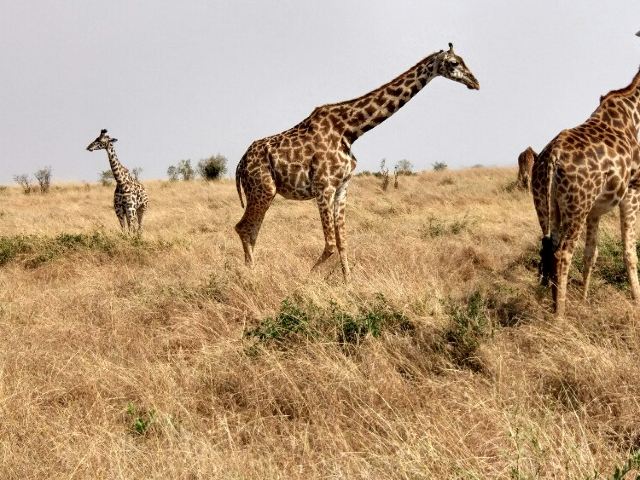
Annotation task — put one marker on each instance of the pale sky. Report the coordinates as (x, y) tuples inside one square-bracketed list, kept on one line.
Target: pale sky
[(185, 80)]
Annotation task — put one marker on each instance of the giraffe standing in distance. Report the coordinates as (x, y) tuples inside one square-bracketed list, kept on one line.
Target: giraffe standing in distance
[(313, 159), (130, 198), (581, 174), (525, 165)]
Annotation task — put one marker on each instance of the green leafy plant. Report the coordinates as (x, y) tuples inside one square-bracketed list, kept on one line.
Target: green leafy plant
[(290, 320), (213, 168), (140, 419), (439, 166), (468, 325)]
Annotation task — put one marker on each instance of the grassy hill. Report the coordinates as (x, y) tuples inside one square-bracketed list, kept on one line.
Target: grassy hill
[(165, 357)]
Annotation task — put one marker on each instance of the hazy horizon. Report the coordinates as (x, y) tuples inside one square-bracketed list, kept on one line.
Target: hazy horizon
[(186, 82)]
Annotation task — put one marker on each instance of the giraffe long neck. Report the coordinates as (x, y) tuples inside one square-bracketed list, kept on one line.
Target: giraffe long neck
[(120, 173), (621, 108), (370, 110)]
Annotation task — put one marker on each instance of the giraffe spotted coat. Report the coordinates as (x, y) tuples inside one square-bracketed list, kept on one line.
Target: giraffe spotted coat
[(130, 199), (313, 160), (582, 173)]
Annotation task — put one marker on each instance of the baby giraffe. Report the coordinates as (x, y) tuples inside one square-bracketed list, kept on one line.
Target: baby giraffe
[(130, 198)]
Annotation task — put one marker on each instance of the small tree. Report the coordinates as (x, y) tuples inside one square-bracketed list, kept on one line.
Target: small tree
[(25, 182), (439, 166), (404, 167), (43, 176), (136, 172), (186, 170), (212, 168), (172, 173), (106, 178), (395, 177)]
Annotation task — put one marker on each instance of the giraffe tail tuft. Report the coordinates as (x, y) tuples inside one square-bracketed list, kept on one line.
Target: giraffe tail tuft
[(239, 168), (547, 250)]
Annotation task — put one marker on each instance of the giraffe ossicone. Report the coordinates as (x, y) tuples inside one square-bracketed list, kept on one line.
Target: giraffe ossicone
[(580, 175), (313, 159), (130, 199)]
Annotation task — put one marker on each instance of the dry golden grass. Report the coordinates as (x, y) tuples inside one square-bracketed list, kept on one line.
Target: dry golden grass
[(125, 359)]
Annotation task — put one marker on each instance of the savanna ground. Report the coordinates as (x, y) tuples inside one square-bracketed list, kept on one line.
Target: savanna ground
[(167, 358)]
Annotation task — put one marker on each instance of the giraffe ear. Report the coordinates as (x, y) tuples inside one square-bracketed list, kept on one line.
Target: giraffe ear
[(113, 140)]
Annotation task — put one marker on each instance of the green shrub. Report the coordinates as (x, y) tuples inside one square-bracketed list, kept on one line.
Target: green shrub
[(370, 320), (34, 250), (439, 166), (212, 168), (140, 419), (290, 320), (302, 319), (468, 325)]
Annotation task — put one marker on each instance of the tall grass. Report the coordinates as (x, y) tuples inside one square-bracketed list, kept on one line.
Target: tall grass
[(165, 357)]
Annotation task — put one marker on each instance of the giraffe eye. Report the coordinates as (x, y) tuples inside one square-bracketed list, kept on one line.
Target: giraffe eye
[(453, 63)]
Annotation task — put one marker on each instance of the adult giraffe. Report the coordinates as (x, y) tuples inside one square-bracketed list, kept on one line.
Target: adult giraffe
[(581, 174), (313, 159)]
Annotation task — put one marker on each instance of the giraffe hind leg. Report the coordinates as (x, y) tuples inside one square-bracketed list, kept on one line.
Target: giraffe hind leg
[(249, 225)]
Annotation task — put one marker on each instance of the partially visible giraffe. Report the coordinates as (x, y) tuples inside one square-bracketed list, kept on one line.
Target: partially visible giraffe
[(525, 165), (130, 198), (581, 174), (313, 159)]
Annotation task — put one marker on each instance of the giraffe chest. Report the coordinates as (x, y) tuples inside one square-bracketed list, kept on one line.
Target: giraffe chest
[(128, 196)]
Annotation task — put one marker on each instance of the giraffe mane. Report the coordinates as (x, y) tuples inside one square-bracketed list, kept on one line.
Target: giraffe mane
[(623, 91)]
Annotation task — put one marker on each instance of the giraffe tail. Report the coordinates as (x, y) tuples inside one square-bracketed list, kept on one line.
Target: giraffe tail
[(239, 168), (545, 268)]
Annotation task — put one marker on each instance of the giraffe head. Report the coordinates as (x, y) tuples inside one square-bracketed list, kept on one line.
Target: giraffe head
[(102, 142), (452, 66)]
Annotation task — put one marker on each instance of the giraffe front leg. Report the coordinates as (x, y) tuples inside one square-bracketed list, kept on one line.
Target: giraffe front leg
[(325, 205), (140, 214), (132, 219), (339, 206), (628, 213), (590, 251), (122, 217)]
